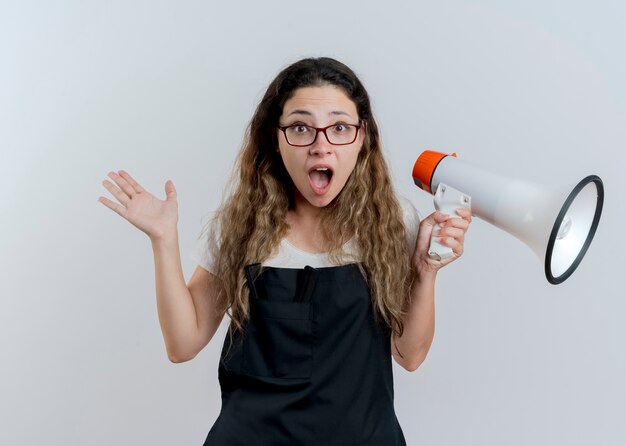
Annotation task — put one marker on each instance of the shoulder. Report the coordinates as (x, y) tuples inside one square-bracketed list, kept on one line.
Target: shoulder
[(411, 218), (409, 213), (207, 242)]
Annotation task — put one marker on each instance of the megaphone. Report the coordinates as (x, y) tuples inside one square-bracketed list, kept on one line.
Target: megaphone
[(557, 224)]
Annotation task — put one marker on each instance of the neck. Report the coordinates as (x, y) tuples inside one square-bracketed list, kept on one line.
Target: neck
[(304, 226), (305, 211)]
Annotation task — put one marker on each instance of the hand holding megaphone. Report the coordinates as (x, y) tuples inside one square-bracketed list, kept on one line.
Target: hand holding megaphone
[(447, 201), (557, 224)]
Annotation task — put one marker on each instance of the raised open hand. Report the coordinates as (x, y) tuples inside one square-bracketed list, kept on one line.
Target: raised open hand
[(154, 217)]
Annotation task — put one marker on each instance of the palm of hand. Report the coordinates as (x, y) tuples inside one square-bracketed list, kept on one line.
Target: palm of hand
[(141, 208)]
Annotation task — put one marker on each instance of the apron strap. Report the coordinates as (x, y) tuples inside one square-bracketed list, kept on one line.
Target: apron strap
[(251, 271), (305, 286)]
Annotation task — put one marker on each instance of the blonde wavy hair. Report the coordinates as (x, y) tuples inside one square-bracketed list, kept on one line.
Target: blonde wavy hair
[(252, 217)]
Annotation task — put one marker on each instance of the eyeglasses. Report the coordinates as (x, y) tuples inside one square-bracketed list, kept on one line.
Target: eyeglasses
[(300, 135)]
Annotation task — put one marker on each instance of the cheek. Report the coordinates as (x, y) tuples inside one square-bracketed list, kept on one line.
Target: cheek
[(292, 162), (347, 168)]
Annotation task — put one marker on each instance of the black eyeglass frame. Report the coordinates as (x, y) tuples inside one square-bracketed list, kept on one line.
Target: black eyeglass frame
[(320, 129)]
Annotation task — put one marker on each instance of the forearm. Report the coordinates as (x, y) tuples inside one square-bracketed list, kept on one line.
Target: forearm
[(419, 322), (176, 310)]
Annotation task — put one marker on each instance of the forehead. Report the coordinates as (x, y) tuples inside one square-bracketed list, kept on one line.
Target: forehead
[(326, 99)]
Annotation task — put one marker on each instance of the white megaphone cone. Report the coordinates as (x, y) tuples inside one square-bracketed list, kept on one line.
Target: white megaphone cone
[(557, 224)]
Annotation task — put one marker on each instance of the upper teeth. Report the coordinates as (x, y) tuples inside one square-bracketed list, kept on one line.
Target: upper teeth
[(321, 168)]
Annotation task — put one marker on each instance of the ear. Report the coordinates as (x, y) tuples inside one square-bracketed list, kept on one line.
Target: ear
[(362, 134), (276, 141)]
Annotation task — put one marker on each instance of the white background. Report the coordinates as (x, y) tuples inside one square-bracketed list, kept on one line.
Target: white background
[(164, 90)]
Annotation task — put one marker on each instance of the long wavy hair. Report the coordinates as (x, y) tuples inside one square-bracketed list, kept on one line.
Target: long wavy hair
[(252, 216)]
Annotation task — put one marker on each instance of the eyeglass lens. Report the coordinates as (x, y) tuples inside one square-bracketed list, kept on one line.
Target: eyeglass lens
[(337, 134)]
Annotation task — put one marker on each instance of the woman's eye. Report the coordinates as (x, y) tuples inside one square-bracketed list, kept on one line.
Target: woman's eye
[(340, 128), (300, 128)]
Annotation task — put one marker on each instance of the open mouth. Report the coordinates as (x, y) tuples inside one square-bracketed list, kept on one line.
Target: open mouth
[(320, 179)]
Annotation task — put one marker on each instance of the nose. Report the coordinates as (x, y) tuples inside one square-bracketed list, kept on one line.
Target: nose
[(321, 145)]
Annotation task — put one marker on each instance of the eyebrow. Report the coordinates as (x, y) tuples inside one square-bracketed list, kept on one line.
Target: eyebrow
[(308, 113)]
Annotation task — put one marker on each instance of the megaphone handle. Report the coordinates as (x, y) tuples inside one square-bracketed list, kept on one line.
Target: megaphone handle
[(447, 201)]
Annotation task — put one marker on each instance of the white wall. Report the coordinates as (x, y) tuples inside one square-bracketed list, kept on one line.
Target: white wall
[(164, 90)]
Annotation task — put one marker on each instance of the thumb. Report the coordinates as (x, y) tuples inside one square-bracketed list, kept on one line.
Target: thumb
[(426, 230), (434, 218), (170, 190)]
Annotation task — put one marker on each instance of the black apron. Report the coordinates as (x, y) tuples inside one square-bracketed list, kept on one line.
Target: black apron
[(312, 367)]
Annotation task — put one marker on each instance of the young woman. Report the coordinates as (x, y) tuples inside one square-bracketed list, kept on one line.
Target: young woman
[(321, 268)]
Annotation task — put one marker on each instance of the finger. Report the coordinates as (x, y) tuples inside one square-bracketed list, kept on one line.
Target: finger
[(427, 224), (441, 217), (116, 192), (465, 214), (131, 181), (428, 221), (426, 228), (436, 218), (456, 233), (119, 209), (452, 243), (170, 190), (456, 222), (123, 184)]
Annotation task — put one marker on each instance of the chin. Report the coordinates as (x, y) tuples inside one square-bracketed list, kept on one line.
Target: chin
[(320, 201)]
